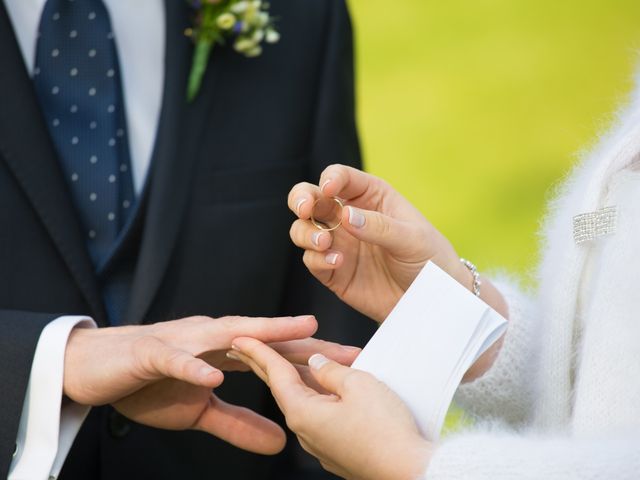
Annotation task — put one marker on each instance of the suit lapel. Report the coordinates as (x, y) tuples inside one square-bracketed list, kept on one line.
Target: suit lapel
[(27, 149), (180, 127)]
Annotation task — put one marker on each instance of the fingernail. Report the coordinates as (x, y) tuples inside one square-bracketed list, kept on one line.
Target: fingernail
[(299, 204), (235, 347), (356, 218), (302, 317), (331, 259), (233, 355), (352, 349), (315, 238), (318, 361), (206, 371), (326, 182)]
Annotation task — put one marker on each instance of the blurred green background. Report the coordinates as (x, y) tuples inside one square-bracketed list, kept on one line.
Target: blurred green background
[(475, 109)]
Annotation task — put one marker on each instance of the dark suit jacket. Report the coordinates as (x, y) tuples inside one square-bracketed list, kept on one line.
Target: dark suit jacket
[(212, 236)]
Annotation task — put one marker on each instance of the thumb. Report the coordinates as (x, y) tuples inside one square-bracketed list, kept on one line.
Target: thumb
[(329, 374), (156, 360), (241, 427), (378, 229)]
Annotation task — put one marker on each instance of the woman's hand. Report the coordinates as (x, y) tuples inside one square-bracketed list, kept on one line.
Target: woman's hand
[(381, 247), (360, 430), (379, 250)]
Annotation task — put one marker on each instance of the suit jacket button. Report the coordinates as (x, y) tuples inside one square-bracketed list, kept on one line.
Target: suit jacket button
[(119, 426)]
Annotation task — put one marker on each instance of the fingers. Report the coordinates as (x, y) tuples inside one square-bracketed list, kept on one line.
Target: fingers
[(332, 376), (302, 198), (336, 181), (249, 363), (286, 385), (310, 381), (156, 360), (223, 330), (199, 335), (322, 264), (382, 230), (318, 257), (361, 218), (299, 351), (241, 427), (306, 236), (347, 182)]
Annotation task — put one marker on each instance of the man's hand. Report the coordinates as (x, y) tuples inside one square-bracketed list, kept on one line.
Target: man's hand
[(162, 375), (360, 430)]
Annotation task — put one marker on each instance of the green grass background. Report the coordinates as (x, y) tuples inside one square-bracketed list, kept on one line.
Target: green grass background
[(475, 109)]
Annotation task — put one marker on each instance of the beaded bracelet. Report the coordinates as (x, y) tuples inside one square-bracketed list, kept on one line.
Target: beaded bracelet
[(476, 276)]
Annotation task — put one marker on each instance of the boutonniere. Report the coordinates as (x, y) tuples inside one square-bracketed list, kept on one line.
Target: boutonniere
[(246, 23)]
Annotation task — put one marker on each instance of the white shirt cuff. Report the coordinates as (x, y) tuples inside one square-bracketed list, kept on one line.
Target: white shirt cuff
[(47, 429)]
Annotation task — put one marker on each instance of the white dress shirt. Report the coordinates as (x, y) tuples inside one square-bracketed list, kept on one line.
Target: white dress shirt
[(140, 27), (47, 429)]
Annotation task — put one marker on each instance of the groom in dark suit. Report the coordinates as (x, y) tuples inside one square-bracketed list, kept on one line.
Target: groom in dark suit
[(207, 236)]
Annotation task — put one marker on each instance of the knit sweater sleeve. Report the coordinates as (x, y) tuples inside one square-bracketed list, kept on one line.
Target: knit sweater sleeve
[(502, 455), (505, 391)]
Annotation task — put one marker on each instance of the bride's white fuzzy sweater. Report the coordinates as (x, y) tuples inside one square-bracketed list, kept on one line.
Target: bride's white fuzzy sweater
[(566, 385)]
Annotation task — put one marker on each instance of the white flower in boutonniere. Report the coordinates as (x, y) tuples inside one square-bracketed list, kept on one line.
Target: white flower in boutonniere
[(246, 23)]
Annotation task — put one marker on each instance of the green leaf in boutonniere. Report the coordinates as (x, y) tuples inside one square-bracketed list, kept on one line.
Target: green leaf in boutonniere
[(246, 23)]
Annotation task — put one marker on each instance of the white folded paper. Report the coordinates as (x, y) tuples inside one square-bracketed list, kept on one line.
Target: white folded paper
[(427, 343)]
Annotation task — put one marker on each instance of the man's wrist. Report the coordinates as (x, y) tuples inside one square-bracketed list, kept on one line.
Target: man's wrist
[(41, 441), (74, 359)]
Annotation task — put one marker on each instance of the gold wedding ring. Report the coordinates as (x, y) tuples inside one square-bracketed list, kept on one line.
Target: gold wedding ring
[(330, 224)]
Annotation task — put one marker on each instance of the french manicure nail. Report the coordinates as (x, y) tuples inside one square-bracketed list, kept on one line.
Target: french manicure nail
[(351, 349), (299, 204), (315, 238), (326, 182), (356, 218), (233, 356), (318, 361), (332, 258)]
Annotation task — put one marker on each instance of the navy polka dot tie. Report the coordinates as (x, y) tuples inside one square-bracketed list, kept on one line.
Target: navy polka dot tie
[(77, 79)]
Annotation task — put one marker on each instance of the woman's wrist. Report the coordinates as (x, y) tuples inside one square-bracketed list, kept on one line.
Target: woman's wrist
[(489, 294), (418, 453), (492, 297)]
